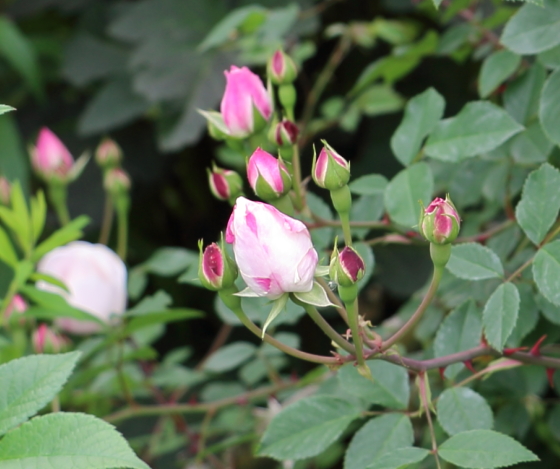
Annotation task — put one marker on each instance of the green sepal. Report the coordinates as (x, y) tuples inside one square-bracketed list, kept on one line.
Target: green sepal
[(317, 296), (278, 306)]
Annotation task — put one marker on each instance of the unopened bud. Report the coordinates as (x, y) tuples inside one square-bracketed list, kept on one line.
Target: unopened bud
[(281, 69), (330, 170), (216, 270), (17, 306), (268, 176), (440, 222), (45, 340), (347, 266), (284, 134), (225, 184), (50, 159), (108, 154), (5, 190), (116, 181)]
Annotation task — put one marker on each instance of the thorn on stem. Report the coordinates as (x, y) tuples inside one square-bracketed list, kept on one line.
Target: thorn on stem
[(510, 351), (469, 365), (536, 349)]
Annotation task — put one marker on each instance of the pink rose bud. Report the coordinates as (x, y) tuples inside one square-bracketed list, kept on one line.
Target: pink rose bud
[(246, 104), (346, 267), (116, 181), (281, 69), (273, 252), (95, 278), (440, 222), (108, 154), (5, 191), (18, 306), (284, 134), (215, 269), (268, 176), (225, 184), (50, 158), (45, 340), (330, 170)]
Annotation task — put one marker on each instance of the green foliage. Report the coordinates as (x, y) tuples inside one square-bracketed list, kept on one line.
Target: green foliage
[(30, 383), (500, 314), (67, 440), (376, 438), (484, 449), (307, 427), (472, 261), (462, 409), (400, 458), (549, 111), (230, 357), (405, 190), (546, 269), (496, 68)]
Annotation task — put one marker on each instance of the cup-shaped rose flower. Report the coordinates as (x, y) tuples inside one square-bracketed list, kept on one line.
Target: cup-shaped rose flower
[(95, 278), (281, 69), (5, 191), (268, 176), (330, 170), (225, 184), (215, 269), (273, 252), (440, 222), (246, 104), (347, 266), (108, 154), (50, 158)]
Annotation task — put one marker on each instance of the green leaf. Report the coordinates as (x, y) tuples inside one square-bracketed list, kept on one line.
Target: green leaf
[(230, 357), (421, 115), (379, 99), (64, 440), (7, 252), (163, 317), (19, 52), (533, 29), (521, 98), (29, 384), (549, 310), (460, 330), (546, 271), (478, 128), (390, 387), (550, 58), (38, 214), (500, 315), (14, 163), (400, 458), (484, 449), (377, 437), (4, 108), (549, 112), (472, 261), (413, 184), (496, 68), (366, 253), (531, 146), (307, 427), (222, 32), (389, 68), (528, 315), (462, 409), (170, 261), (53, 305), (114, 105), (70, 232), (540, 202), (371, 184)]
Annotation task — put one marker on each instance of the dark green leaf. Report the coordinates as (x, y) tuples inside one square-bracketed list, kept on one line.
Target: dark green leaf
[(461, 409), (496, 68), (400, 458), (549, 112), (546, 271), (531, 146), (500, 315), (230, 357), (472, 261), (372, 184), (521, 98)]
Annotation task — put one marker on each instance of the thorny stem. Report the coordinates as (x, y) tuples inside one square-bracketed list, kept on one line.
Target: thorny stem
[(438, 271), (324, 78), (352, 308), (480, 237), (328, 330), (424, 398)]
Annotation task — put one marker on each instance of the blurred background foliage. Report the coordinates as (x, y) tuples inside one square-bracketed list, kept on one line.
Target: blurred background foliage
[(139, 70)]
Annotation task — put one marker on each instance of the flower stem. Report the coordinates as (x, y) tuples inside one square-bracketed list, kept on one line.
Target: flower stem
[(58, 196), (234, 303), (422, 388), (296, 184), (436, 278), (122, 205), (106, 224), (327, 329)]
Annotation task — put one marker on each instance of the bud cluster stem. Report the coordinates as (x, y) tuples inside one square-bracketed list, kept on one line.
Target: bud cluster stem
[(233, 302), (296, 184), (349, 296), (122, 206), (58, 196), (342, 202)]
